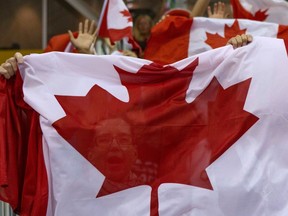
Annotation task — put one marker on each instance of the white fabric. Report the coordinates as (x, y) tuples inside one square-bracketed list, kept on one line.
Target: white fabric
[(201, 26), (116, 19)]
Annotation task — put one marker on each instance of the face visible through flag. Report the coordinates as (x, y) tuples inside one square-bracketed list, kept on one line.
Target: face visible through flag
[(208, 133), (137, 143), (113, 151)]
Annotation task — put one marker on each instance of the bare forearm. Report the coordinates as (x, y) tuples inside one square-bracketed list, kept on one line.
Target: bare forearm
[(199, 8)]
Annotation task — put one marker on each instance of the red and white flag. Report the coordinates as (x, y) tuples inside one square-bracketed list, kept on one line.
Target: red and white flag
[(115, 22), (125, 136), (177, 37), (275, 11)]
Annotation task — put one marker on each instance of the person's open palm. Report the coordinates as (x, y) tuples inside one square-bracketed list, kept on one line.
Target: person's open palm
[(86, 37), (218, 11)]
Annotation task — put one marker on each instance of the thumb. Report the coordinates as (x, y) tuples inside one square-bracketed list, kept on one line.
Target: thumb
[(72, 38)]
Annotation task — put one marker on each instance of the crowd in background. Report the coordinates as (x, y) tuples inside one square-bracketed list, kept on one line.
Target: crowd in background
[(87, 41), (143, 24)]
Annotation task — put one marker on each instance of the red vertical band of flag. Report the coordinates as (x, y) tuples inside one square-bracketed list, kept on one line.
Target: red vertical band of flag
[(23, 174)]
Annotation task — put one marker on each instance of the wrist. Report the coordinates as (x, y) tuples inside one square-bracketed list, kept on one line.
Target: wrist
[(90, 50)]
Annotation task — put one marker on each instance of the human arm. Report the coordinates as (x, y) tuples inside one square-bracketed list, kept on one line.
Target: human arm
[(199, 8), (85, 41), (9, 67), (240, 40)]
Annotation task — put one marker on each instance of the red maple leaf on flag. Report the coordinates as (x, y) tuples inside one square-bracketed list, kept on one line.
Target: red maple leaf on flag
[(260, 15), (127, 14), (156, 137), (240, 12), (216, 40)]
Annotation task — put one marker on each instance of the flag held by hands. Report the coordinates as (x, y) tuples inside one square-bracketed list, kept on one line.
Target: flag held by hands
[(134, 137)]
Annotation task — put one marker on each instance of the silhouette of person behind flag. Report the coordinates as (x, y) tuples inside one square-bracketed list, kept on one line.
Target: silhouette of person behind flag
[(114, 153)]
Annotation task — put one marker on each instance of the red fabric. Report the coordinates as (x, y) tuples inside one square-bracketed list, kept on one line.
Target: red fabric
[(282, 32), (59, 42), (174, 32), (117, 34), (23, 178), (179, 12), (103, 29)]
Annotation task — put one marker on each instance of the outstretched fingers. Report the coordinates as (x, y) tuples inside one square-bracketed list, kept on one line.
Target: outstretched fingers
[(80, 28), (86, 26), (92, 27), (218, 10)]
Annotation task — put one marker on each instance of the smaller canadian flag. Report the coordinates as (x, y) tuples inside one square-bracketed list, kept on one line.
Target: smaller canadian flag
[(115, 21), (275, 11)]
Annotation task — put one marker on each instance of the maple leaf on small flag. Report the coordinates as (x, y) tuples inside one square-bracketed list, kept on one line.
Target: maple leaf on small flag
[(216, 40), (260, 15), (240, 12), (116, 23), (156, 137), (127, 14)]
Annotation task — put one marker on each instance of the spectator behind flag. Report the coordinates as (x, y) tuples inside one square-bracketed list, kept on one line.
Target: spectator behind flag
[(116, 22), (275, 11), (229, 141)]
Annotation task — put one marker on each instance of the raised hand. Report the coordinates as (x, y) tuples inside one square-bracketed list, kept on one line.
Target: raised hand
[(218, 11), (85, 41)]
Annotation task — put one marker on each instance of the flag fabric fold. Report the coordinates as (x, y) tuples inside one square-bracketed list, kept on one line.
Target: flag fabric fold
[(169, 40), (126, 136), (23, 178)]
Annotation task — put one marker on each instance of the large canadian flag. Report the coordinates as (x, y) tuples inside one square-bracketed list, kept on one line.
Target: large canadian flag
[(178, 37), (275, 11), (114, 135)]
